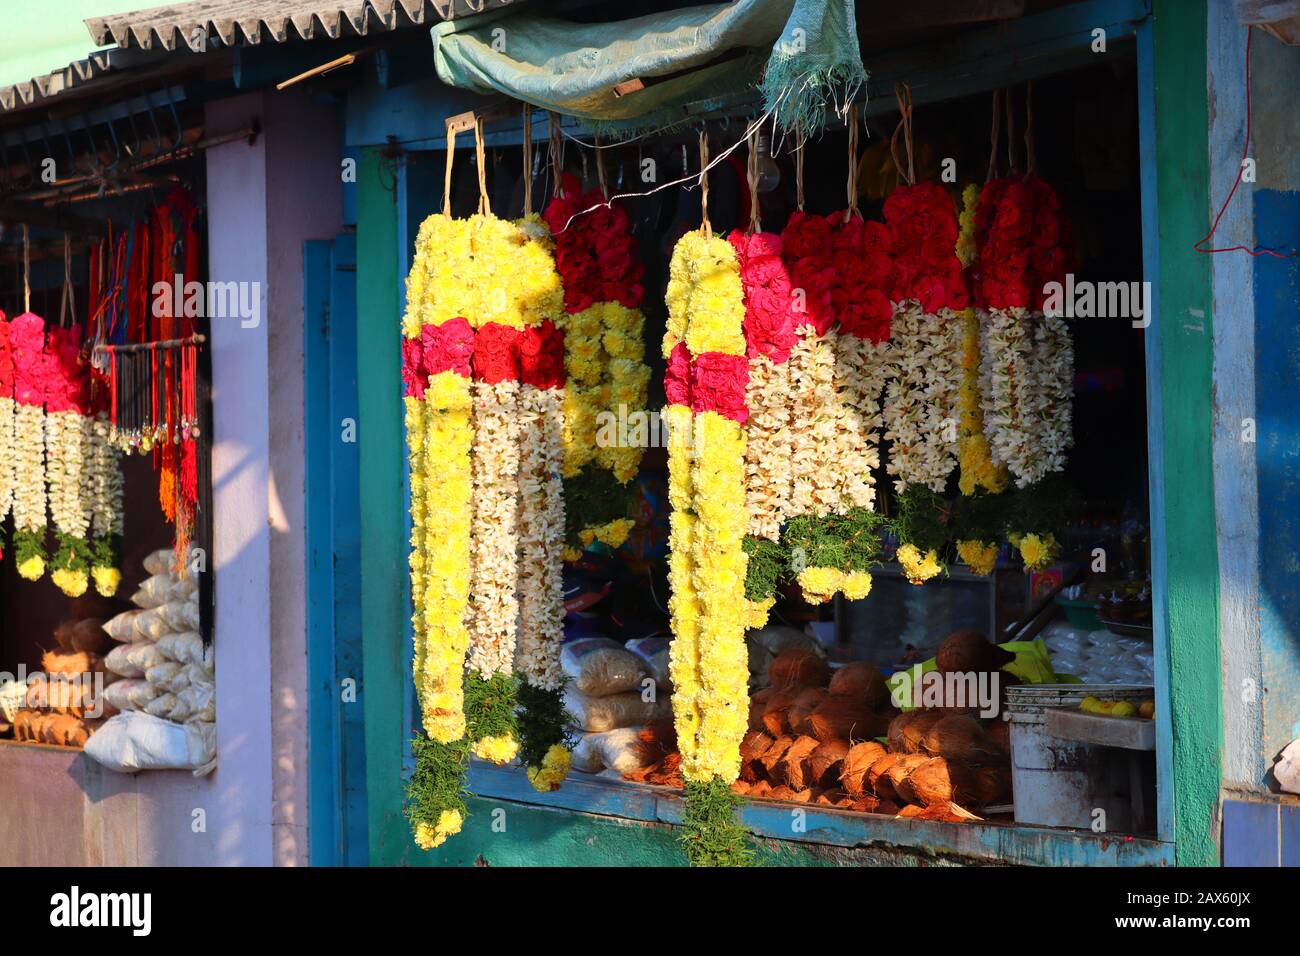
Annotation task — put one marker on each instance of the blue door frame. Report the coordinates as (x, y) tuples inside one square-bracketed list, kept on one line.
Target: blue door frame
[(337, 769)]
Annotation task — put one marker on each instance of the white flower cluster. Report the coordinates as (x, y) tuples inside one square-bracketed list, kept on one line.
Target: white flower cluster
[(29, 468), (816, 413), (493, 602), (104, 476), (1027, 390), (6, 456), (541, 537), (860, 372), (921, 395), (68, 437), (768, 446)]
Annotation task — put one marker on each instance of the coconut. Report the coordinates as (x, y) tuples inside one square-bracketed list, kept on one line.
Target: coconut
[(772, 756), (999, 733), (833, 797), (878, 775), (992, 785), (71, 662), (797, 667), (939, 812), (84, 635), (842, 718), (961, 738), (740, 788), (861, 681), (826, 763), (752, 747), (782, 792), (966, 652), (776, 713), (857, 761), (760, 789), (801, 710), (792, 769), (943, 781), (907, 730), (898, 773)]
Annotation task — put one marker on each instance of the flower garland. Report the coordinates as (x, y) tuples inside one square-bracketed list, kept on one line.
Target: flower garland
[(6, 427), (706, 382), (596, 258), (104, 474), (31, 370), (68, 437)]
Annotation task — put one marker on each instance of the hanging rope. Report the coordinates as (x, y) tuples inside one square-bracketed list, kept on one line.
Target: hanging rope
[(1031, 161), (557, 154), (903, 93), (993, 137), (705, 225), (751, 176), (600, 168), (484, 206), (446, 182), (1013, 165), (798, 168), (852, 120), (528, 160), (68, 301), (27, 269)]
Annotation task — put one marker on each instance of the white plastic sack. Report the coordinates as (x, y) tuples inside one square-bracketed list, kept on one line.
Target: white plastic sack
[(150, 625), (118, 694), (118, 661), (184, 646), (154, 591), (1287, 769), (181, 615), (145, 655), (161, 561), (615, 750), (122, 628), (598, 666), (131, 742)]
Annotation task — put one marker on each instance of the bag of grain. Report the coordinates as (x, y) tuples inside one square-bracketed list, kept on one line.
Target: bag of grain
[(183, 646), (615, 750), (150, 625), (166, 674), (131, 742), (161, 561), (118, 695), (180, 615), (122, 628), (654, 652), (119, 662), (145, 656), (598, 667), (615, 710)]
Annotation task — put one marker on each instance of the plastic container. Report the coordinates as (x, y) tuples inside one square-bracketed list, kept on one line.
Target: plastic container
[(1064, 783), (1080, 612)]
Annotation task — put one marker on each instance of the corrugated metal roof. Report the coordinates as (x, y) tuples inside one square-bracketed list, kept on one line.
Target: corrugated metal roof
[(75, 75), (205, 24)]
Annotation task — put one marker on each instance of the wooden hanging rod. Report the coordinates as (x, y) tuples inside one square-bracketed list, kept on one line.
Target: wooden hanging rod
[(198, 339)]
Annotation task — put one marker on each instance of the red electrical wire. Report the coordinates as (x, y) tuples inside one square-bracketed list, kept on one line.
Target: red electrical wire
[(1241, 168)]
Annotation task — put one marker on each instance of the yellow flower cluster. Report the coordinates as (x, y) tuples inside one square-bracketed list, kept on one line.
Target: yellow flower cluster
[(107, 580), (628, 378), (980, 556), (966, 248), (978, 470), (613, 533), (499, 750), (706, 487), (70, 582), (449, 824), (483, 269), (756, 612), (555, 767), (918, 567), (821, 584), (706, 306), (1037, 551), (439, 435)]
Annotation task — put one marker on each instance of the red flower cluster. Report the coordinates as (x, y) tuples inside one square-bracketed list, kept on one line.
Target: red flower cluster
[(595, 254), (6, 360), (32, 366), (1021, 237), (712, 382), (495, 353), (922, 220), (67, 385), (806, 249), (769, 317), (863, 276)]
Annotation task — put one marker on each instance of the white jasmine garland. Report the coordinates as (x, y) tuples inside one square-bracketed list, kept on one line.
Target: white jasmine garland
[(68, 437), (493, 602), (860, 372), (815, 424), (924, 382), (1053, 356), (29, 468), (1009, 391), (768, 446), (541, 537), (6, 456), (105, 476)]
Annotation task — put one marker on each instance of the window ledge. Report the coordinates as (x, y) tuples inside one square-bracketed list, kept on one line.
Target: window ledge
[(983, 842)]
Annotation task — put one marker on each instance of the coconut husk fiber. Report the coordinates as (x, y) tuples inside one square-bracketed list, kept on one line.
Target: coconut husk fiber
[(789, 794), (861, 681), (774, 754), (939, 812), (943, 781), (900, 773), (799, 716), (758, 706), (907, 730), (878, 776), (798, 667), (752, 746), (760, 789), (999, 733), (961, 738), (833, 798), (964, 652), (741, 788), (792, 769), (857, 761), (776, 715), (842, 718), (86, 634), (826, 763)]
